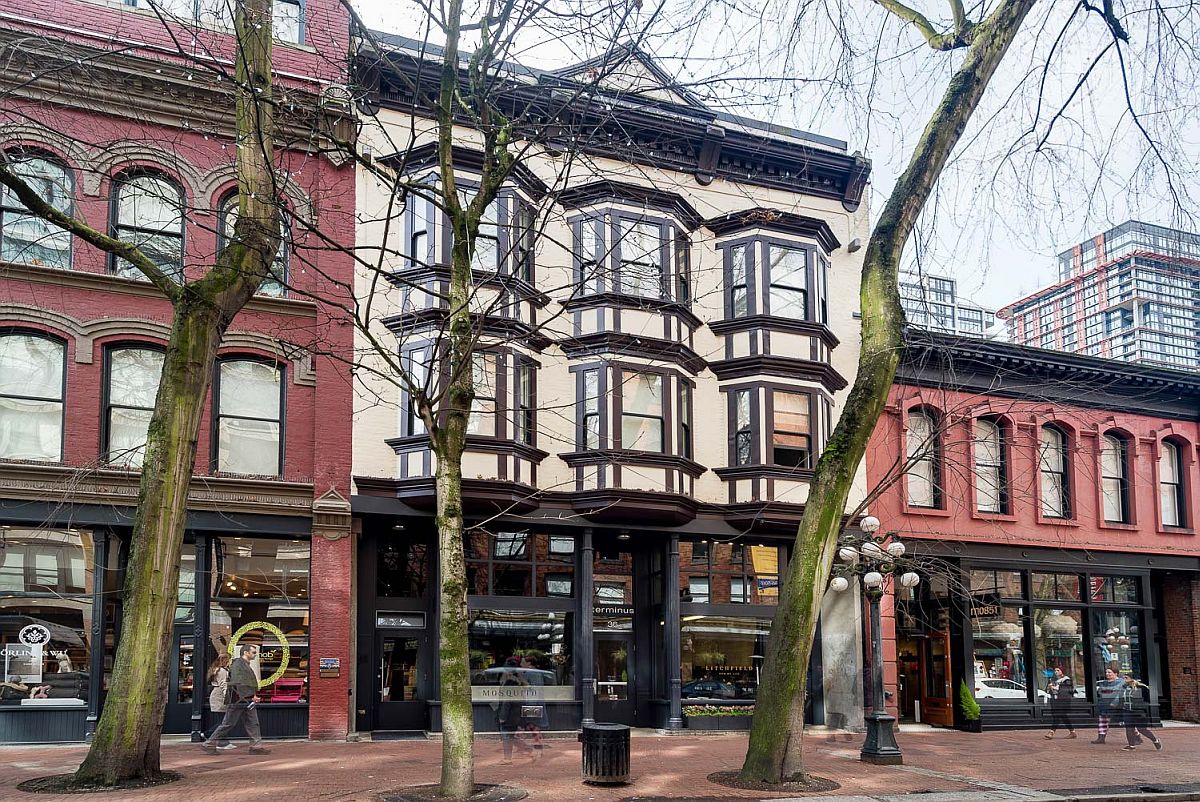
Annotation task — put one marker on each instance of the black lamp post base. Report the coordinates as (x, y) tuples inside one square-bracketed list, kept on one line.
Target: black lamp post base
[(880, 746)]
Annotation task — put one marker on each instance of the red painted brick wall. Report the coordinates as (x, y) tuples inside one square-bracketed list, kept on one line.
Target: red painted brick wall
[(1181, 612), (318, 418)]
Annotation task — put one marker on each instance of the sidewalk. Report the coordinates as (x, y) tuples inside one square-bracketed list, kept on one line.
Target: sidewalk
[(992, 766)]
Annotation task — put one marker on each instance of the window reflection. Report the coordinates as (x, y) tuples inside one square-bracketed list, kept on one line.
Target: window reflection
[(721, 657), (1058, 643), (999, 653)]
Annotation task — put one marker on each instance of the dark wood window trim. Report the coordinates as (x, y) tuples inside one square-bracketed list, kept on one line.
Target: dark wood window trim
[(1003, 439), (935, 457), (1063, 474)]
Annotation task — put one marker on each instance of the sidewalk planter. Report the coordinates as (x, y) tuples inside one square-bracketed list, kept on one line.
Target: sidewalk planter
[(718, 717), (973, 725)]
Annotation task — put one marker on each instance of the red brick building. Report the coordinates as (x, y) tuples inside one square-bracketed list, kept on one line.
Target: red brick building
[(122, 120), (1052, 500)]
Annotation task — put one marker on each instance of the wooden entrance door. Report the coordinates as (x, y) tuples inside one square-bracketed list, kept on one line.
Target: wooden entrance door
[(937, 695)]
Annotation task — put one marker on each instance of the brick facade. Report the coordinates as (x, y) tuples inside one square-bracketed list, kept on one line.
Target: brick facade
[(143, 105), (1181, 612)]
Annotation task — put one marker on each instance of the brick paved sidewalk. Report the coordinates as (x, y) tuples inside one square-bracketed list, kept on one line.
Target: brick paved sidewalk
[(672, 767)]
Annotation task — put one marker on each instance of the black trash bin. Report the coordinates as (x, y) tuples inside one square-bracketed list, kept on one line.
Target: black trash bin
[(605, 753)]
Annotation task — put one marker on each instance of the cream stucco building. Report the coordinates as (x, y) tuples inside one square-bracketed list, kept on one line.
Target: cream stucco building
[(666, 302)]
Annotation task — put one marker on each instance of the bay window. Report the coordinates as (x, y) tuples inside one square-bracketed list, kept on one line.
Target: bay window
[(791, 439), (641, 268), (483, 406), (31, 397), (743, 434), (249, 417), (739, 280), (642, 412), (788, 294), (525, 415), (591, 409), (133, 376)]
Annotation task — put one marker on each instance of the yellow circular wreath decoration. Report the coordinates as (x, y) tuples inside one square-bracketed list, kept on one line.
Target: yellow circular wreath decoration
[(283, 643)]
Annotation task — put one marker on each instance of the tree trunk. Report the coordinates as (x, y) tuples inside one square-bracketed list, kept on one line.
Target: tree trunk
[(774, 752), (126, 742)]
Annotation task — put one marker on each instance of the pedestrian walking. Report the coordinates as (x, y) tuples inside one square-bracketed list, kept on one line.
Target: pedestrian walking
[(508, 712), (1107, 691), (241, 703), (1135, 702), (1061, 690), (218, 679)]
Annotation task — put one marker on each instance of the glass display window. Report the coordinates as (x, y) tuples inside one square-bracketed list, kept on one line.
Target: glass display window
[(729, 572), (524, 564), (1000, 653), (721, 656), (259, 568), (521, 655), (1058, 643), (1117, 643), (402, 567), (1061, 587), (1116, 589)]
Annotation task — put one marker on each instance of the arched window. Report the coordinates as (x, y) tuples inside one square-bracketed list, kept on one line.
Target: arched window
[(991, 467), (1114, 478), (1055, 478), (275, 283), (133, 374), (31, 397), (923, 450), (24, 237), (249, 417), (147, 211), (1170, 484)]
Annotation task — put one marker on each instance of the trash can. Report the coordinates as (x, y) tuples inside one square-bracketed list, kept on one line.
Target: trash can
[(605, 753)]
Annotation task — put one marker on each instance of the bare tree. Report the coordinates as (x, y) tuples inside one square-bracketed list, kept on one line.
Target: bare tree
[(126, 743)]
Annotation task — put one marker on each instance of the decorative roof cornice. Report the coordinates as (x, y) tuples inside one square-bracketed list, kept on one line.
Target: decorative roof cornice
[(599, 192), (775, 220)]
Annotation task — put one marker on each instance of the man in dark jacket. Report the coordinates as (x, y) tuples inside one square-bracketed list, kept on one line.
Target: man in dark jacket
[(1061, 690), (241, 703)]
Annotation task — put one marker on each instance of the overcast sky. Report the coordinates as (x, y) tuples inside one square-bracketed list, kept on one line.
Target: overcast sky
[(1018, 191)]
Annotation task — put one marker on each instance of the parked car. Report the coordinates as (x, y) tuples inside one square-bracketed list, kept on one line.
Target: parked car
[(994, 688), (709, 689)]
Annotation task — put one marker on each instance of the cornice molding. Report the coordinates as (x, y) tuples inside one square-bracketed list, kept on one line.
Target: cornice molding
[(626, 345), (768, 323), (784, 366), (775, 220), (108, 282), (425, 156), (606, 191), (764, 471), (623, 301), (630, 457), (477, 443), (503, 328), (109, 486), (85, 334), (481, 497), (512, 285)]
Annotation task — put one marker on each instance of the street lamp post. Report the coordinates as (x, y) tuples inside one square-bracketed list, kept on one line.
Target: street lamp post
[(874, 561)]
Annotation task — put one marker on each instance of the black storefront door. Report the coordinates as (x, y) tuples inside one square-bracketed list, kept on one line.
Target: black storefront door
[(183, 682), (616, 681), (397, 706)]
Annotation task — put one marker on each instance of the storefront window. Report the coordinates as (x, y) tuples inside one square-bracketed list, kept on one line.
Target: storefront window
[(1117, 643), (46, 577), (402, 568), (1058, 643), (260, 596), (999, 584), (999, 651), (1062, 587), (399, 665), (1116, 589), (721, 657), (520, 564), (541, 642), (737, 573)]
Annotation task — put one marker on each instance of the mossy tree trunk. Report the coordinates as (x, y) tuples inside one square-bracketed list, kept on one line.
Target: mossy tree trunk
[(448, 424), (126, 743), (774, 752)]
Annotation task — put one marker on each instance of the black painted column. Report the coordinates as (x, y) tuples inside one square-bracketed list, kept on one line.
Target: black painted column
[(587, 637), (671, 636), (200, 637), (100, 541)]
